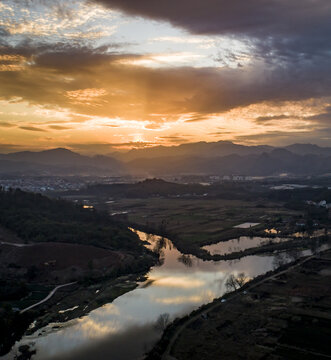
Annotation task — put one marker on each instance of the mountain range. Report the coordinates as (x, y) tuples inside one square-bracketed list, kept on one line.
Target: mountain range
[(217, 158), (59, 161)]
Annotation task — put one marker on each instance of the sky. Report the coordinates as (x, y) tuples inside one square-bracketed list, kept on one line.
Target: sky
[(96, 76)]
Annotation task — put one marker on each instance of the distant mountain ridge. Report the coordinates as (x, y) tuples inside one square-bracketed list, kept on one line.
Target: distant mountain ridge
[(219, 158), (59, 161), (305, 149), (202, 148), (265, 164), (219, 148)]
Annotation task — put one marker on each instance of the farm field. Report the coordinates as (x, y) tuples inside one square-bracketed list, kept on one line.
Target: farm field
[(193, 223)]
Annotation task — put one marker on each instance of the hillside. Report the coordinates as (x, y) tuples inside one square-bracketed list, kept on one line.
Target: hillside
[(46, 242), (36, 218)]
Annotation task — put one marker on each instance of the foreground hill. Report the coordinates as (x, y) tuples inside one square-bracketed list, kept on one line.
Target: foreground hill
[(58, 235), (36, 218), (59, 263), (46, 242)]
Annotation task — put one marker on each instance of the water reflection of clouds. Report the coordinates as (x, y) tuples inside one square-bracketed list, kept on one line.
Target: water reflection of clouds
[(91, 328), (239, 244), (108, 309), (172, 288), (179, 300), (178, 282)]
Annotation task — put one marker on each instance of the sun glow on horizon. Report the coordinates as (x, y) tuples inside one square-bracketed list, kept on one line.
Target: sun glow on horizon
[(75, 73)]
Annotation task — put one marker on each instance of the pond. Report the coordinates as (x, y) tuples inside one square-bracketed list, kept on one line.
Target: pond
[(240, 244), (129, 326)]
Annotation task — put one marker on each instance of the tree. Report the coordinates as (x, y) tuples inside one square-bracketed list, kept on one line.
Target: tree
[(233, 283), (241, 279), (186, 260), (162, 322)]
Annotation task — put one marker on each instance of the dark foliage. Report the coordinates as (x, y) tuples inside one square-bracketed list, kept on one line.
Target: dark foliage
[(160, 188), (12, 290), (12, 326), (37, 218)]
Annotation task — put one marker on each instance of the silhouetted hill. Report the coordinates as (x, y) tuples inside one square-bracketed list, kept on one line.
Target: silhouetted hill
[(202, 149), (219, 158), (59, 156), (305, 149), (146, 188), (59, 162), (273, 163)]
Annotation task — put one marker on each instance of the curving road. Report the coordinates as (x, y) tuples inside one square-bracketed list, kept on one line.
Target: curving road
[(47, 297), (51, 293), (15, 244)]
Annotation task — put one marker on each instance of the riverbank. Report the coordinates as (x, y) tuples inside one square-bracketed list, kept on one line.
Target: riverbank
[(293, 243), (32, 275), (195, 222), (284, 314), (66, 304), (178, 285)]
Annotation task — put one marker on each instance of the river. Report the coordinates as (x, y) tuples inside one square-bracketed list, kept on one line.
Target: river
[(129, 326)]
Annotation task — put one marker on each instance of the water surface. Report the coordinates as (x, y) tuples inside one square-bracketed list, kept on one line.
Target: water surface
[(240, 244), (129, 326)]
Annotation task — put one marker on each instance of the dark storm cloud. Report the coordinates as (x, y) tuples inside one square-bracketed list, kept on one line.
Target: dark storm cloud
[(253, 17), (51, 71), (278, 30), (290, 37), (64, 55)]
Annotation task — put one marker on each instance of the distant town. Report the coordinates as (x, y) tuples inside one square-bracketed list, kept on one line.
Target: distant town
[(44, 184)]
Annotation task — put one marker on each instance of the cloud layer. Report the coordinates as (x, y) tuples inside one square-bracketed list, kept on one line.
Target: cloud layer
[(254, 17), (287, 59), (97, 81)]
